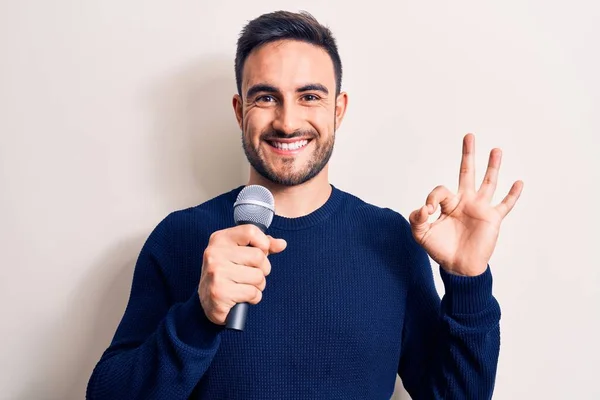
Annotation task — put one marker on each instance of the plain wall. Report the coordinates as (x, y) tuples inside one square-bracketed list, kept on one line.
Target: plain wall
[(114, 113)]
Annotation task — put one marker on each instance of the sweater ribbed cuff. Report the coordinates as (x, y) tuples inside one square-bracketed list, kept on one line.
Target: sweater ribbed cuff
[(193, 328), (467, 294)]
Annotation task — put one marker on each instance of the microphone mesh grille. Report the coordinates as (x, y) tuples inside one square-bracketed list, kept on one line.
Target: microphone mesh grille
[(254, 203)]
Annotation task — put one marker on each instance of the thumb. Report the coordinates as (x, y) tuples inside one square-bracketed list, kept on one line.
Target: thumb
[(277, 245), (419, 220)]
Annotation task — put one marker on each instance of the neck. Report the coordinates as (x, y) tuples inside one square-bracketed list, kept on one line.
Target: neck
[(299, 200)]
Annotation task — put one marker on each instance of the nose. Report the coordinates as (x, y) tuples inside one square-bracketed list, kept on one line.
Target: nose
[(288, 118)]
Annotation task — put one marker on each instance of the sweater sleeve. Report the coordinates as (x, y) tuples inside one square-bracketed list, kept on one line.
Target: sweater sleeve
[(161, 349), (450, 347)]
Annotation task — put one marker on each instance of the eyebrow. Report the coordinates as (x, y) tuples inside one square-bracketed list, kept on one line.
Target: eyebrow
[(317, 87), (262, 87)]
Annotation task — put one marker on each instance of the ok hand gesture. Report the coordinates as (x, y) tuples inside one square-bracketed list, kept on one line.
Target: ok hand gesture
[(464, 236)]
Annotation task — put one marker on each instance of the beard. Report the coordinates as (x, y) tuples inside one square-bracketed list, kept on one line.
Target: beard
[(286, 176)]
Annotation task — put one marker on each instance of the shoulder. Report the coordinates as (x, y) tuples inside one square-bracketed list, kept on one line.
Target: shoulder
[(377, 215), (202, 219), (389, 227)]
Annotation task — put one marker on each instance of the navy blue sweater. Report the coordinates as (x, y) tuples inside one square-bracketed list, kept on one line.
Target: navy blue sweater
[(349, 304)]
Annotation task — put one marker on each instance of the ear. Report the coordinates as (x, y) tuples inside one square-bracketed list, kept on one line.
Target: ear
[(341, 102), (238, 109)]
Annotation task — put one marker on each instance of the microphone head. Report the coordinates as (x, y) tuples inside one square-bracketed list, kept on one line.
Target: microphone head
[(255, 205)]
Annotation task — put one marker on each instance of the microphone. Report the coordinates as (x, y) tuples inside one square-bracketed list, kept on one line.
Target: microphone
[(254, 205)]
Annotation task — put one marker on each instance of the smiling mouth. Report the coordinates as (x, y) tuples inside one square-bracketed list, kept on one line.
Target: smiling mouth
[(289, 146)]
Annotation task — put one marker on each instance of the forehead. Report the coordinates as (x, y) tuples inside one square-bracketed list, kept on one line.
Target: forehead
[(289, 64)]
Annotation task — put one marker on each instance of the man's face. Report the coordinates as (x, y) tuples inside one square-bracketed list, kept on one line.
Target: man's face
[(288, 111)]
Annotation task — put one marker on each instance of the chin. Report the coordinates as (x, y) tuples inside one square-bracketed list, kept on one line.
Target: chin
[(288, 178)]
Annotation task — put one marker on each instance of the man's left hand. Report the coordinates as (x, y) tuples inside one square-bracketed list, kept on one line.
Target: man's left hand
[(464, 236)]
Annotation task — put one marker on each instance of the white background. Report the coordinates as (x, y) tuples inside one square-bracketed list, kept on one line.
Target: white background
[(114, 113)]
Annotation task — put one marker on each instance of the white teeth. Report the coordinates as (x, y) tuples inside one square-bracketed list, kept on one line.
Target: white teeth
[(290, 146)]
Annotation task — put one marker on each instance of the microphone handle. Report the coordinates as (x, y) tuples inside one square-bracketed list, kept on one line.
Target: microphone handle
[(236, 319)]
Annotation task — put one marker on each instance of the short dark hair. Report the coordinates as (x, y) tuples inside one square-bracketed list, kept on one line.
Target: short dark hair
[(280, 25)]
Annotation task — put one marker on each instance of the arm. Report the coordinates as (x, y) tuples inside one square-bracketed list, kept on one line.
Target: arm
[(450, 348), (160, 349)]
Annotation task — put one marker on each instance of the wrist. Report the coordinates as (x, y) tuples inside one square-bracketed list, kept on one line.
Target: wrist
[(471, 270)]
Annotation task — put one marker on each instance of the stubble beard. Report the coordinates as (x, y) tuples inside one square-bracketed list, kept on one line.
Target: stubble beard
[(285, 176)]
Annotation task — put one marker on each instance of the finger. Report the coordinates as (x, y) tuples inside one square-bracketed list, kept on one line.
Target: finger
[(277, 245), (257, 297), (419, 219), (252, 257), (466, 179), (490, 180), (243, 235), (511, 198), (443, 197), (247, 275), (241, 293)]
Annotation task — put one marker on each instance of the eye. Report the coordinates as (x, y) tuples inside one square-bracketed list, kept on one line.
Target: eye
[(265, 99), (310, 97)]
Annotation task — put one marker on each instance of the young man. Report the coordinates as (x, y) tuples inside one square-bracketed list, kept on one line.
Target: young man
[(345, 299)]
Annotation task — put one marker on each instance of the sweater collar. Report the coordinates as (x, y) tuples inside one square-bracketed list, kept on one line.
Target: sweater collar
[(305, 221)]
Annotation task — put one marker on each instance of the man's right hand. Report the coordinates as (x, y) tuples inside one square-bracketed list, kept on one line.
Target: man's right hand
[(234, 268)]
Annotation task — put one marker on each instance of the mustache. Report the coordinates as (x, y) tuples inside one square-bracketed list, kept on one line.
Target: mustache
[(273, 134)]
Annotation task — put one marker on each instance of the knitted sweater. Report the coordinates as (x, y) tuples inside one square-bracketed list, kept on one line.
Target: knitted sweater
[(349, 304)]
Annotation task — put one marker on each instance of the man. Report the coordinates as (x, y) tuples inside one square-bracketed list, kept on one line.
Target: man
[(342, 291)]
